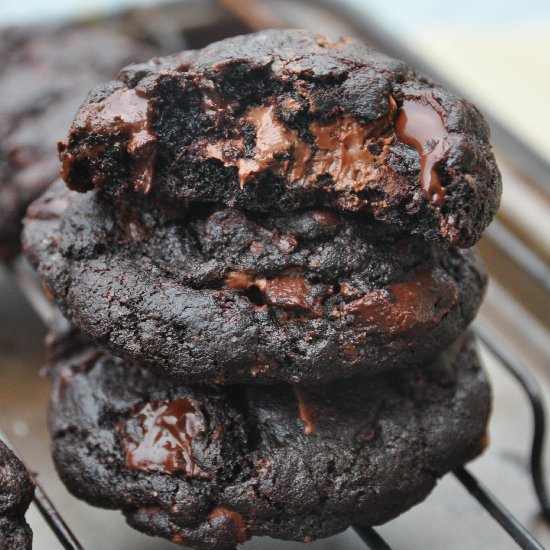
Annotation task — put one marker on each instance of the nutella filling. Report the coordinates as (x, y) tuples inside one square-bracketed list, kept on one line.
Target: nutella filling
[(420, 124), (165, 443)]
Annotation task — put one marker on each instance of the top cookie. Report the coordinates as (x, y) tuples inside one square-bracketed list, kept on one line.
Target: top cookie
[(281, 120)]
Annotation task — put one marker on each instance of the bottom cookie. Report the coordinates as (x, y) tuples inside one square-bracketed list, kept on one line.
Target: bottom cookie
[(210, 466), (16, 492)]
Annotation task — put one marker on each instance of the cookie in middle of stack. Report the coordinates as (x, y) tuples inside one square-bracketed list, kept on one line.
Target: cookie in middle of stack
[(219, 295)]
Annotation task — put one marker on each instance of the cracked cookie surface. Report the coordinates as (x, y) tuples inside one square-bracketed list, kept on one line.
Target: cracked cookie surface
[(287, 119), (211, 466), (216, 295)]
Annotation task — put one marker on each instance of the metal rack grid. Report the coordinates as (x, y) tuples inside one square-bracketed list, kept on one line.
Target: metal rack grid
[(531, 264)]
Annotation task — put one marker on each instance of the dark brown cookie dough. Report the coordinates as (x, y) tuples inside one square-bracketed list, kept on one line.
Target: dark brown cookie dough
[(16, 493), (211, 466), (216, 295), (281, 120), (45, 75)]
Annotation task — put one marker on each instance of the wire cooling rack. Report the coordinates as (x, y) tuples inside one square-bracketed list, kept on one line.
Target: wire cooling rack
[(254, 15)]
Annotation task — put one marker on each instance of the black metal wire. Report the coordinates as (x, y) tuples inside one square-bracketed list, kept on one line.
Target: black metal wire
[(371, 538), (519, 253), (519, 533), (533, 392), (55, 521)]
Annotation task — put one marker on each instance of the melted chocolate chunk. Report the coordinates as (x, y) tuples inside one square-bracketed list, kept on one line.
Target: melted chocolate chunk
[(125, 113), (294, 293), (412, 307), (344, 154), (421, 124), (273, 140), (340, 150), (165, 442)]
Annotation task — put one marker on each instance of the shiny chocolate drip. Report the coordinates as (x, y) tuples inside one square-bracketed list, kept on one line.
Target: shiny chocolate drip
[(167, 432), (420, 124)]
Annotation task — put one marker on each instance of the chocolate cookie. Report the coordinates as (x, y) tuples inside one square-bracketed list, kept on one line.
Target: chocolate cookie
[(211, 466), (281, 120), (217, 295), (16, 493), (45, 75)]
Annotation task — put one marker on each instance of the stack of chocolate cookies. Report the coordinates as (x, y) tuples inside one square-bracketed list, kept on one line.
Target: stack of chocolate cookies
[(264, 249)]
